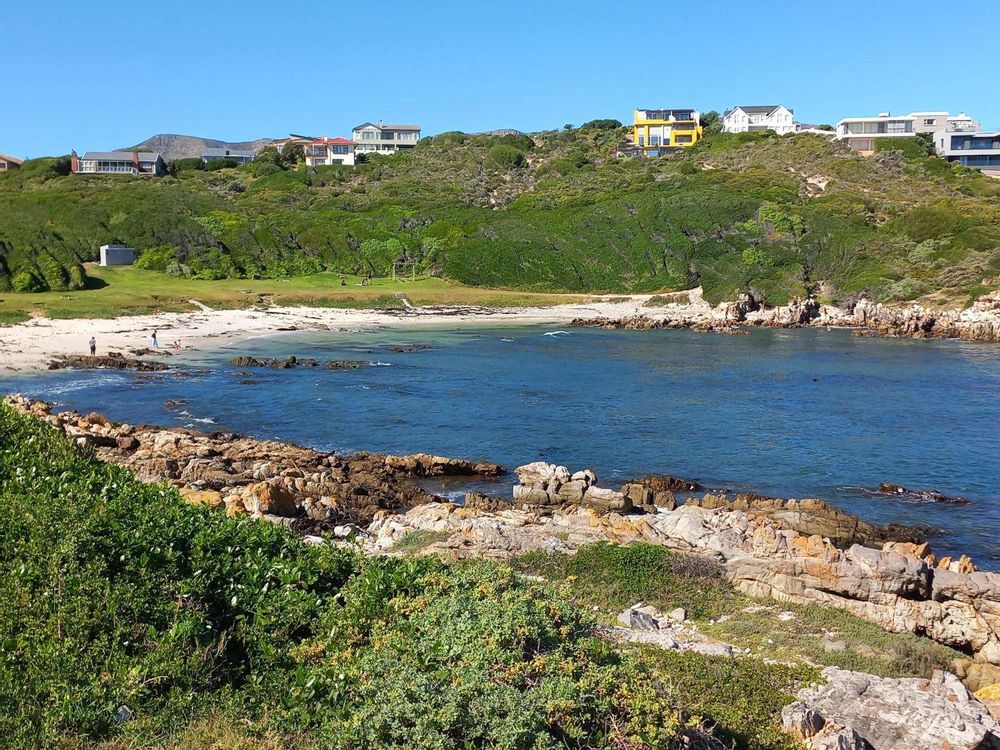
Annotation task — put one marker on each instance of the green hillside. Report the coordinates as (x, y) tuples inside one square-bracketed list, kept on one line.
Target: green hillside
[(552, 212)]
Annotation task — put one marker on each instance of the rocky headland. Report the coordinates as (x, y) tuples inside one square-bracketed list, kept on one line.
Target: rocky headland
[(980, 322), (790, 550)]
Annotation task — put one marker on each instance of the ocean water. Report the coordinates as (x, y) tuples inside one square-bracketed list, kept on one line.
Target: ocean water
[(802, 413)]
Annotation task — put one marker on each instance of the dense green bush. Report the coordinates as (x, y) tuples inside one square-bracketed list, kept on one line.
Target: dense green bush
[(216, 164), (26, 281), (504, 157), (606, 124), (182, 165)]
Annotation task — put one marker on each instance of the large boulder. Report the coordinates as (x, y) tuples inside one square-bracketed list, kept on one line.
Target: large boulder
[(893, 714)]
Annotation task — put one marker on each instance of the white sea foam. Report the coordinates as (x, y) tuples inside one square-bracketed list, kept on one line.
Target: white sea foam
[(556, 333)]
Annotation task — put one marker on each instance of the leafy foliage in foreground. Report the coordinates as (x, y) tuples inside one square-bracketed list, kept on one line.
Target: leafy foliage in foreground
[(117, 594), (781, 216)]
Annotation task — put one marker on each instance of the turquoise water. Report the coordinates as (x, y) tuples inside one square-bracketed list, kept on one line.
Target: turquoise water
[(804, 413)]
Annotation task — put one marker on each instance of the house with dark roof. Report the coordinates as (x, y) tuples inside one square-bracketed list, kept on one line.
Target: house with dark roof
[(119, 162), (750, 119), (8, 163), (384, 138), (216, 154)]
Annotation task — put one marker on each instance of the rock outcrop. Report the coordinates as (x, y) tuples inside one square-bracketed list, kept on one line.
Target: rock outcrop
[(263, 477), (809, 516), (891, 714), (899, 586), (980, 322)]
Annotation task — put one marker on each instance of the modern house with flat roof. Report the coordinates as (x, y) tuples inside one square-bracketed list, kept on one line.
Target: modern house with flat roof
[(8, 163), (970, 147), (384, 138), (861, 133), (658, 131), (325, 151), (216, 154), (119, 162), (115, 254), (750, 119)]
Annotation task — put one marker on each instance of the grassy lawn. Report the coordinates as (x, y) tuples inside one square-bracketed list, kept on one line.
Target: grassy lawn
[(132, 291)]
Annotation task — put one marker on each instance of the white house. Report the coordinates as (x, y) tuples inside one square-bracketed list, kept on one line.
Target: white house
[(963, 141), (861, 133), (325, 150), (237, 155), (118, 162), (118, 255), (382, 138), (774, 117)]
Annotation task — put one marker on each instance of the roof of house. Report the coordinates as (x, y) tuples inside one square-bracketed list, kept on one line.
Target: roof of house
[(222, 153), (757, 109), (324, 141), (11, 159), (385, 126), (120, 155)]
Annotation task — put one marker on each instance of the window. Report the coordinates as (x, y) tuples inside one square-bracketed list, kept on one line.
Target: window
[(930, 120), (654, 140)]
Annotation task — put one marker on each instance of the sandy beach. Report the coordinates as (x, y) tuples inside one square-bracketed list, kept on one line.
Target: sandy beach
[(33, 344)]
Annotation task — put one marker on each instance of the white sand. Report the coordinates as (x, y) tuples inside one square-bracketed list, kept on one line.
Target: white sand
[(32, 344)]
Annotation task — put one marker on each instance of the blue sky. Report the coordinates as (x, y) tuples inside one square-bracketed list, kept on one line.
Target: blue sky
[(107, 74)]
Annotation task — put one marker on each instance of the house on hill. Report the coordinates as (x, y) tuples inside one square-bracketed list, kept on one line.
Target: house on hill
[(8, 163), (383, 138), (119, 162), (216, 154), (750, 119), (325, 151), (658, 131), (861, 133)]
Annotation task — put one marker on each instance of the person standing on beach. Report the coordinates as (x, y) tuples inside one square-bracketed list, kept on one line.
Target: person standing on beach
[(93, 346), (153, 341)]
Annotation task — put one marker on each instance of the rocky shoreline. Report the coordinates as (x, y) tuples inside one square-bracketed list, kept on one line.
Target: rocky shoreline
[(790, 550), (980, 322)]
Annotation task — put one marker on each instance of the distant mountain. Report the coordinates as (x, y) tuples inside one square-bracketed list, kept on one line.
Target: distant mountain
[(172, 146)]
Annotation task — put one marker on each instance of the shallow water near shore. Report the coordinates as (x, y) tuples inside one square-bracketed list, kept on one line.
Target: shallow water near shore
[(799, 413)]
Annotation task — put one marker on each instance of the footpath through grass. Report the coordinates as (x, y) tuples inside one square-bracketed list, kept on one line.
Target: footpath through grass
[(132, 291), (129, 619)]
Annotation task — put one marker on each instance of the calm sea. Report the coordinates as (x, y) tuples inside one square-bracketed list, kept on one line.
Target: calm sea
[(803, 413)]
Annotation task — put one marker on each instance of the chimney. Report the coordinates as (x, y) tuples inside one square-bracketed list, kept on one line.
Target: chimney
[(135, 161), (74, 162)]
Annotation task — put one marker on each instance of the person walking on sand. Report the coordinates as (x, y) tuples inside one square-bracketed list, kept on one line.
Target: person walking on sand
[(93, 346), (153, 341)]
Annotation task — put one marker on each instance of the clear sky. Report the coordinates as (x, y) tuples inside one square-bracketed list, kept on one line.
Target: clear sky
[(108, 73)]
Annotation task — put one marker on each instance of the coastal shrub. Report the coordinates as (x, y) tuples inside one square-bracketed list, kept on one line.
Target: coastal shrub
[(185, 165), (504, 157), (602, 124), (126, 596), (26, 281), (217, 164)]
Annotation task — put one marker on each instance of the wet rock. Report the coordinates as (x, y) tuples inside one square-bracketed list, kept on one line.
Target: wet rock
[(895, 490), (407, 348), (489, 503), (293, 361), (111, 361)]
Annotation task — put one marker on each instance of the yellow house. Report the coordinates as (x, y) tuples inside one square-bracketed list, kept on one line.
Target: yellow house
[(658, 130)]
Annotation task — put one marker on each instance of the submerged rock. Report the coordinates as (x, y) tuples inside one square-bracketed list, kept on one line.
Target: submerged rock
[(895, 490), (293, 361)]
